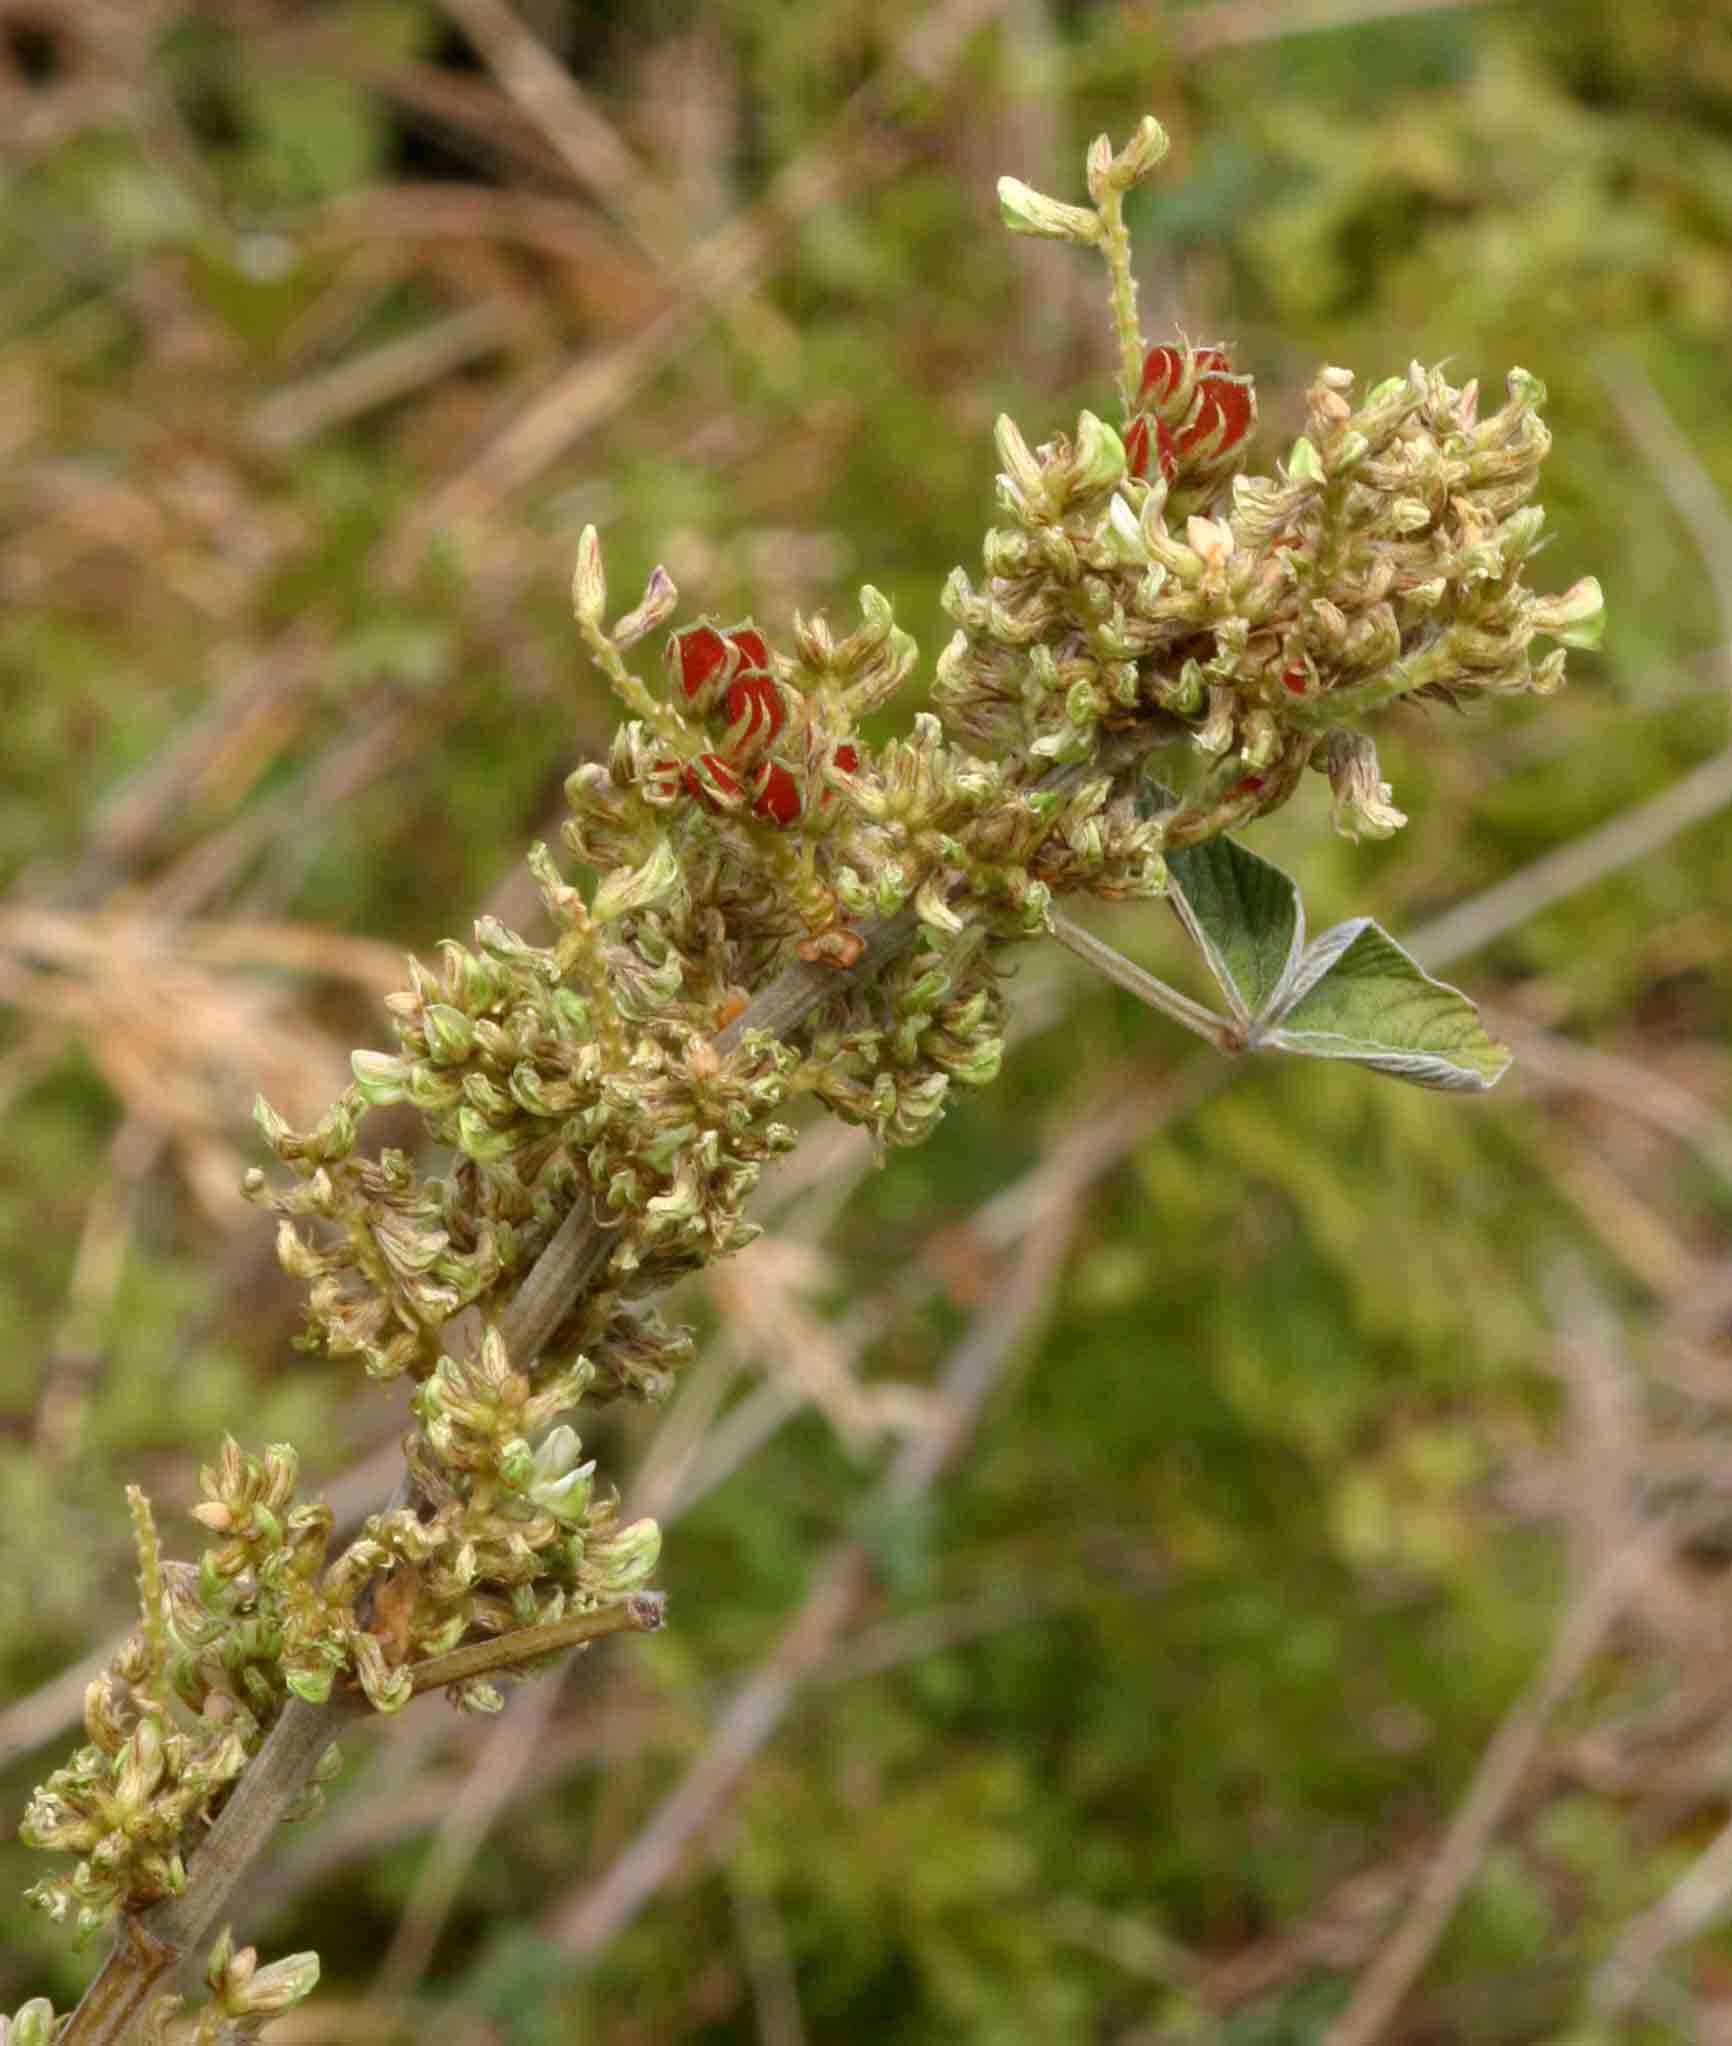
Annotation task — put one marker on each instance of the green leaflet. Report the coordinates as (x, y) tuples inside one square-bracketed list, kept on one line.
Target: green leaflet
[(1351, 994)]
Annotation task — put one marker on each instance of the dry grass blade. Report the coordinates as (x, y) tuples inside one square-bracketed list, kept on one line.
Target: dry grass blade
[(303, 411), (1235, 24), (1632, 835), (1381, 1991), (1613, 1553), (1700, 1896), (852, 153)]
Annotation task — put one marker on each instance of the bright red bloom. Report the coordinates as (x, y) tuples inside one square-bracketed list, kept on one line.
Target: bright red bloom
[(1139, 439), (712, 780), (1224, 408), (1137, 446), (1296, 679), (700, 657), (847, 758), (754, 699), (1164, 370), (776, 795), (697, 658)]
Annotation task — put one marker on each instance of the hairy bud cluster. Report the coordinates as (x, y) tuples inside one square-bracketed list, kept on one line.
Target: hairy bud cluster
[(243, 1999), (1384, 559)]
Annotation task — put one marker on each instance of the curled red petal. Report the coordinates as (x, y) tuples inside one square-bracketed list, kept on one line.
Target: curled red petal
[(1137, 446), (1163, 372), (697, 658), (712, 780), (755, 698), (776, 795), (754, 648), (1224, 411)]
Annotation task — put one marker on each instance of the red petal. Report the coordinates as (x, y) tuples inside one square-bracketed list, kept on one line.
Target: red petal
[(1137, 446), (755, 697), (1296, 679), (847, 758), (697, 656), (710, 775), (754, 648), (777, 797), (1163, 371), (1252, 785), (1224, 406)]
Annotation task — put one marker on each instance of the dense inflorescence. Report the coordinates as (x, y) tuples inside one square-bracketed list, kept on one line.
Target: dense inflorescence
[(1140, 595)]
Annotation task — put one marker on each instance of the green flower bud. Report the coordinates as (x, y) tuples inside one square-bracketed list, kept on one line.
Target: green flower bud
[(629, 889), (34, 2025), (1026, 211), (566, 1497), (1099, 460), (589, 580), (312, 1685), (379, 1076), (450, 1033), (654, 608), (1362, 807), (1304, 464), (628, 1558), (1577, 618)]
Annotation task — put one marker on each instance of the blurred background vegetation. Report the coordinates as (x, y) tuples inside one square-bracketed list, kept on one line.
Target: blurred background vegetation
[(1327, 1611)]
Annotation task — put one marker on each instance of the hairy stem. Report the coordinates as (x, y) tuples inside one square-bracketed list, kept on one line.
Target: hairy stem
[(642, 1613), (1138, 981)]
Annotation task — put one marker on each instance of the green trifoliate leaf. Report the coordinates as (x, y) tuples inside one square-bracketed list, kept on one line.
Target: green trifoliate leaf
[(1351, 994), (1359, 996)]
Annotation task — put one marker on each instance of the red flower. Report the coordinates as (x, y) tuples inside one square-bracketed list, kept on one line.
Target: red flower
[(712, 781), (697, 659), (1221, 418), (847, 758), (1137, 443), (1137, 446), (776, 795), (753, 710), (754, 650), (664, 778), (701, 658), (1296, 679), (1252, 785), (1164, 370)]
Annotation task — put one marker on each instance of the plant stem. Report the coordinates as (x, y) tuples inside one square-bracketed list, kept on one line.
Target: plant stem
[(1115, 246), (641, 1613), (1134, 979)]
